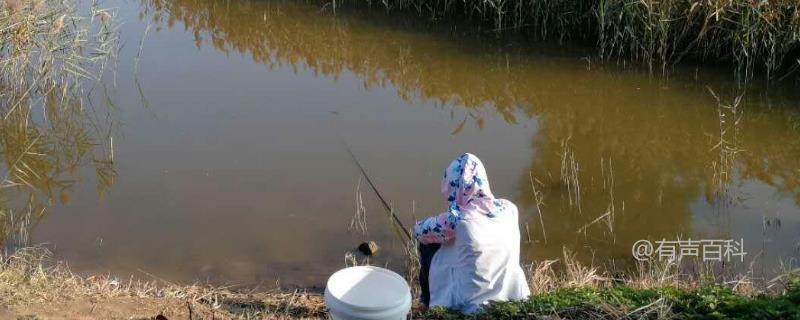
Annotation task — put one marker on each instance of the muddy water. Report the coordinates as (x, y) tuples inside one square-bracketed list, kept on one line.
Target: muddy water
[(230, 165)]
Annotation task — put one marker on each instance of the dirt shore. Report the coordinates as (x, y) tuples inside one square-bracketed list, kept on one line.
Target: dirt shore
[(33, 286), (232, 306)]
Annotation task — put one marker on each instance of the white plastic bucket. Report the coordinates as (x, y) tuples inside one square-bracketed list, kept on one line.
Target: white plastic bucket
[(367, 293)]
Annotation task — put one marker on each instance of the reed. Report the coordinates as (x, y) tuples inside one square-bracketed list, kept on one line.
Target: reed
[(570, 174), (47, 54), (724, 168), (751, 35), (538, 198), (359, 221)]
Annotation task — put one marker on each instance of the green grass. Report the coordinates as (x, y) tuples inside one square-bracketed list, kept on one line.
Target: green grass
[(622, 302)]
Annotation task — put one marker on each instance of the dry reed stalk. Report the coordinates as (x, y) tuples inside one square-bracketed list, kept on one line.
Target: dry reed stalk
[(539, 200), (579, 275), (569, 174), (542, 277), (608, 217), (724, 168), (359, 221)]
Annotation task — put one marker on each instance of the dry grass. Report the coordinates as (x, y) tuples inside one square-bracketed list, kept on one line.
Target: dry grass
[(32, 283), (549, 275), (412, 268), (30, 280)]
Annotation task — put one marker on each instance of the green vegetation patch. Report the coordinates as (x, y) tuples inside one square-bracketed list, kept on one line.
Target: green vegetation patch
[(707, 302)]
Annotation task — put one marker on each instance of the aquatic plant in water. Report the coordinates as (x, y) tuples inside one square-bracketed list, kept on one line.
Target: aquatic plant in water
[(48, 52)]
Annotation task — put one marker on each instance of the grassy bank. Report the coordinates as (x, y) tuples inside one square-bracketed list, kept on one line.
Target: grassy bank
[(33, 285), (621, 302), (571, 290), (754, 36)]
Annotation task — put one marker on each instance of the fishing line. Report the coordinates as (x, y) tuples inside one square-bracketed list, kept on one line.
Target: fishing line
[(385, 204)]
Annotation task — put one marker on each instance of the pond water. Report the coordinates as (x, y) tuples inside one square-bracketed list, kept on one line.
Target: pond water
[(230, 161)]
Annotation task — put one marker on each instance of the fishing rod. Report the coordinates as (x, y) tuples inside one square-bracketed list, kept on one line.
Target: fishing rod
[(386, 205)]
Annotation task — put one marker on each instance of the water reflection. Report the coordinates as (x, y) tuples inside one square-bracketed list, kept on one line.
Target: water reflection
[(650, 166), (50, 131), (645, 157), (45, 148)]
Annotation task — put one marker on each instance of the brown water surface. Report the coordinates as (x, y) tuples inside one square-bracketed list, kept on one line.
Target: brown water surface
[(230, 164)]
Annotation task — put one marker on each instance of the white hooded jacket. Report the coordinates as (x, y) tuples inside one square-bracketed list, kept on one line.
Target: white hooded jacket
[(479, 257)]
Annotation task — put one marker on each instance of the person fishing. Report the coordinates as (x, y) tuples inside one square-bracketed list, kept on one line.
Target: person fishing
[(469, 255)]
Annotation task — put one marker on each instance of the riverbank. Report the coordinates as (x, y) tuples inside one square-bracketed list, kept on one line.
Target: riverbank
[(754, 36), (33, 286)]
